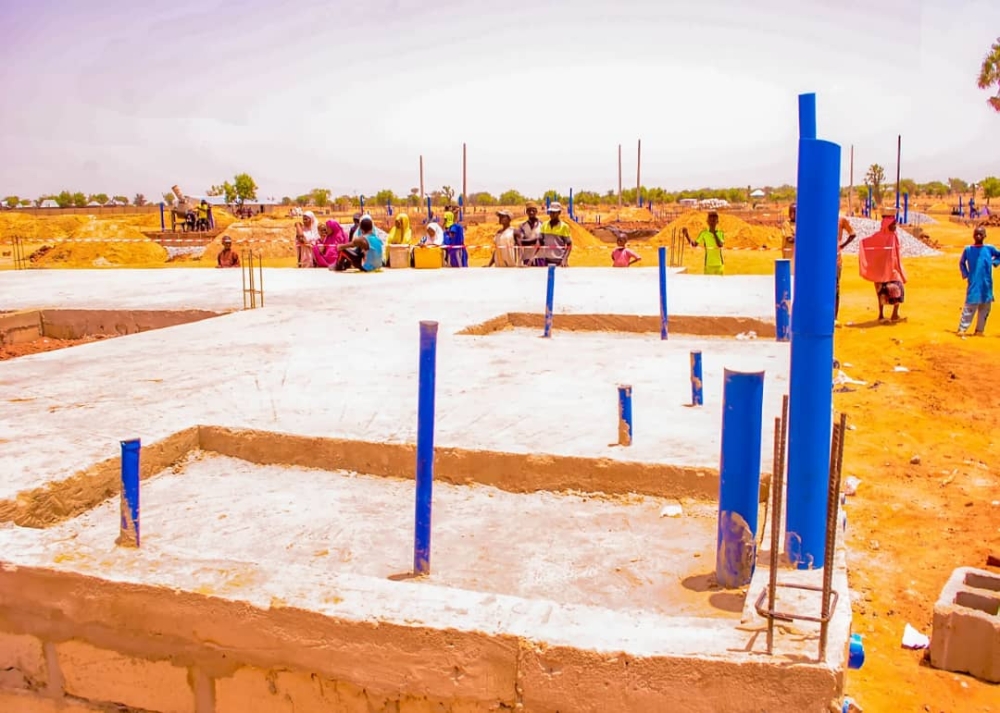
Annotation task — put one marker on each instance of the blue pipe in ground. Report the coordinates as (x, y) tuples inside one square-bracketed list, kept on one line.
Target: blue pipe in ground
[(906, 208), (739, 477), (782, 300), (662, 254), (425, 448), (697, 382), (810, 415), (128, 535), (550, 293), (624, 415), (163, 222), (430, 212)]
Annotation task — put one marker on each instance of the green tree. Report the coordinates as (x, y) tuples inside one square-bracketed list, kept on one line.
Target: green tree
[(586, 198), (120, 199), (511, 197), (304, 200), (320, 197), (168, 198), (26, 202), (875, 178), (907, 185), (139, 199), (552, 195), (448, 192), (935, 188), (414, 198), (957, 185), (12, 201), (64, 199), (990, 187), (101, 198), (216, 190), (287, 200), (862, 192), (482, 199), (244, 187), (989, 75), (384, 197)]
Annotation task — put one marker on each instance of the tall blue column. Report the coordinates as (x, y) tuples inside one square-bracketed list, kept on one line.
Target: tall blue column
[(163, 222), (128, 533), (662, 254), (697, 382), (430, 212), (739, 477), (550, 293), (811, 395), (425, 448), (624, 415)]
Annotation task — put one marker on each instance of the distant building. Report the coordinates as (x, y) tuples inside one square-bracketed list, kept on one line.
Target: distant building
[(48, 204)]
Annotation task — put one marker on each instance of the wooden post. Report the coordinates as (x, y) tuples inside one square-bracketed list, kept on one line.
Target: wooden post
[(899, 151), (465, 195), (638, 176), (619, 176), (850, 190), (421, 179)]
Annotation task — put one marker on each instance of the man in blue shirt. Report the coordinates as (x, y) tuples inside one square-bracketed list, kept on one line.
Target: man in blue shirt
[(977, 263)]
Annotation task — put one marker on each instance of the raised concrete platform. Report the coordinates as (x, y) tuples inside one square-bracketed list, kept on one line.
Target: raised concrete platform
[(328, 369)]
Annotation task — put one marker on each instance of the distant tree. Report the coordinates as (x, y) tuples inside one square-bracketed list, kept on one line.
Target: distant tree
[(783, 193), (320, 197), (346, 201), (286, 201), (12, 201), (26, 202), (862, 192), (991, 188), (875, 177), (957, 185), (101, 198), (989, 74), (304, 200), (936, 189), (414, 198), (64, 199), (246, 188), (120, 199), (168, 198), (553, 195), (908, 185), (511, 197), (139, 200), (586, 198), (383, 197), (217, 190), (448, 192), (482, 199)]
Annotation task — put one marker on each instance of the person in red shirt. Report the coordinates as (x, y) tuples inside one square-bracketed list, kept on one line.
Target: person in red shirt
[(228, 257)]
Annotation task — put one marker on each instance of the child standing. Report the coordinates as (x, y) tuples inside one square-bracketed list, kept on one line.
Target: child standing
[(712, 240), (622, 256), (976, 264)]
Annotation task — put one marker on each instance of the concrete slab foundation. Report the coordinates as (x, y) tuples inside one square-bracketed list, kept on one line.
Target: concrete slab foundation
[(273, 590)]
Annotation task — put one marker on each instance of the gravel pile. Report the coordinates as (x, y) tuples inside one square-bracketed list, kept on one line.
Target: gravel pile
[(911, 247), (917, 218)]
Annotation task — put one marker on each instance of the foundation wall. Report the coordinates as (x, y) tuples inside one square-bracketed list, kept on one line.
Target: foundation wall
[(75, 643), (705, 326), (29, 325)]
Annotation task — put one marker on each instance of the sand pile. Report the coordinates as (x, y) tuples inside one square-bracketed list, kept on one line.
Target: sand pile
[(481, 234), (271, 239), (738, 233), (39, 229), (102, 243)]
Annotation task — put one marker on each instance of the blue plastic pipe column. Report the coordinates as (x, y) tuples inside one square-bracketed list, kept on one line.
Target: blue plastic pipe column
[(624, 415), (430, 213), (461, 209), (782, 300), (897, 203), (163, 223), (550, 293), (662, 255), (906, 208), (697, 382), (811, 395), (548, 202), (869, 202), (571, 204), (128, 535), (739, 477), (425, 448)]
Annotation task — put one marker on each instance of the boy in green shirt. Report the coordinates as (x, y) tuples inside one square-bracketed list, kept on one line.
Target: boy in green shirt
[(712, 240)]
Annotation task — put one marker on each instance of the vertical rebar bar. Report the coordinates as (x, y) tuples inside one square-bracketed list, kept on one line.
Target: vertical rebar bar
[(832, 503), (260, 274), (777, 482), (243, 276)]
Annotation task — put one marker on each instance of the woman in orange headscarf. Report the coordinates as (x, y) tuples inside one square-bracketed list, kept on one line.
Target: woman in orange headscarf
[(880, 262)]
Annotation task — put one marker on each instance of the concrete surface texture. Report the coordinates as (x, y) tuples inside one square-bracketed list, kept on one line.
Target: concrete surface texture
[(966, 636), (336, 355)]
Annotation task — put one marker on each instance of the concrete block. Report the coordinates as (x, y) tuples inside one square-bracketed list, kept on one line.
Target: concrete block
[(22, 662), (254, 690), (29, 702), (103, 675), (966, 635)]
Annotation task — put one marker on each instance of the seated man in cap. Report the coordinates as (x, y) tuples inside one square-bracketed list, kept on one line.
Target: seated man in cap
[(557, 243), (365, 252), (504, 250), (227, 257)]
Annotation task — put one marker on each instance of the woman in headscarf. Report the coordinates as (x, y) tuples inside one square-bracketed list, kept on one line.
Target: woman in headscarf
[(880, 262), (325, 252), (454, 240), (306, 236), (400, 234)]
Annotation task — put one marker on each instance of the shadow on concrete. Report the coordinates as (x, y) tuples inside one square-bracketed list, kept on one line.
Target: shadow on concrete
[(720, 599)]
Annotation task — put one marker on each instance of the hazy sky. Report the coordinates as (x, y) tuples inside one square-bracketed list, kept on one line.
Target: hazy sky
[(126, 96)]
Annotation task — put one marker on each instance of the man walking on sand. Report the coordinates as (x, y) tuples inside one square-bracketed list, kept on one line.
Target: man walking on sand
[(842, 227), (976, 264)]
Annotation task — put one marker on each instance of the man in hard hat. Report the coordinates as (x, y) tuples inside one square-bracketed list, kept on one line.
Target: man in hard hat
[(228, 257), (557, 242)]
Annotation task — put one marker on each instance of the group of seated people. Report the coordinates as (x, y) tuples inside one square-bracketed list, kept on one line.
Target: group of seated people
[(365, 248)]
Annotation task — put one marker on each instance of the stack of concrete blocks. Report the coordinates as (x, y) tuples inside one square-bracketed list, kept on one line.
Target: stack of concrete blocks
[(966, 636)]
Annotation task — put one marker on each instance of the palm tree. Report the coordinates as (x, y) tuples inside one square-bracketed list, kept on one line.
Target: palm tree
[(989, 74)]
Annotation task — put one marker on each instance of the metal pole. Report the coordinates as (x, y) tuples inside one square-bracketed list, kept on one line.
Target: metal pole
[(619, 176), (899, 153), (739, 477), (697, 382), (624, 415), (163, 223), (850, 192), (421, 178), (550, 291), (638, 175), (811, 405), (783, 300), (128, 534), (425, 448), (662, 253)]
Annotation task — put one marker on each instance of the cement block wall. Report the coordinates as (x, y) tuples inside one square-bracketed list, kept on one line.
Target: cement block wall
[(74, 643), (966, 636)]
